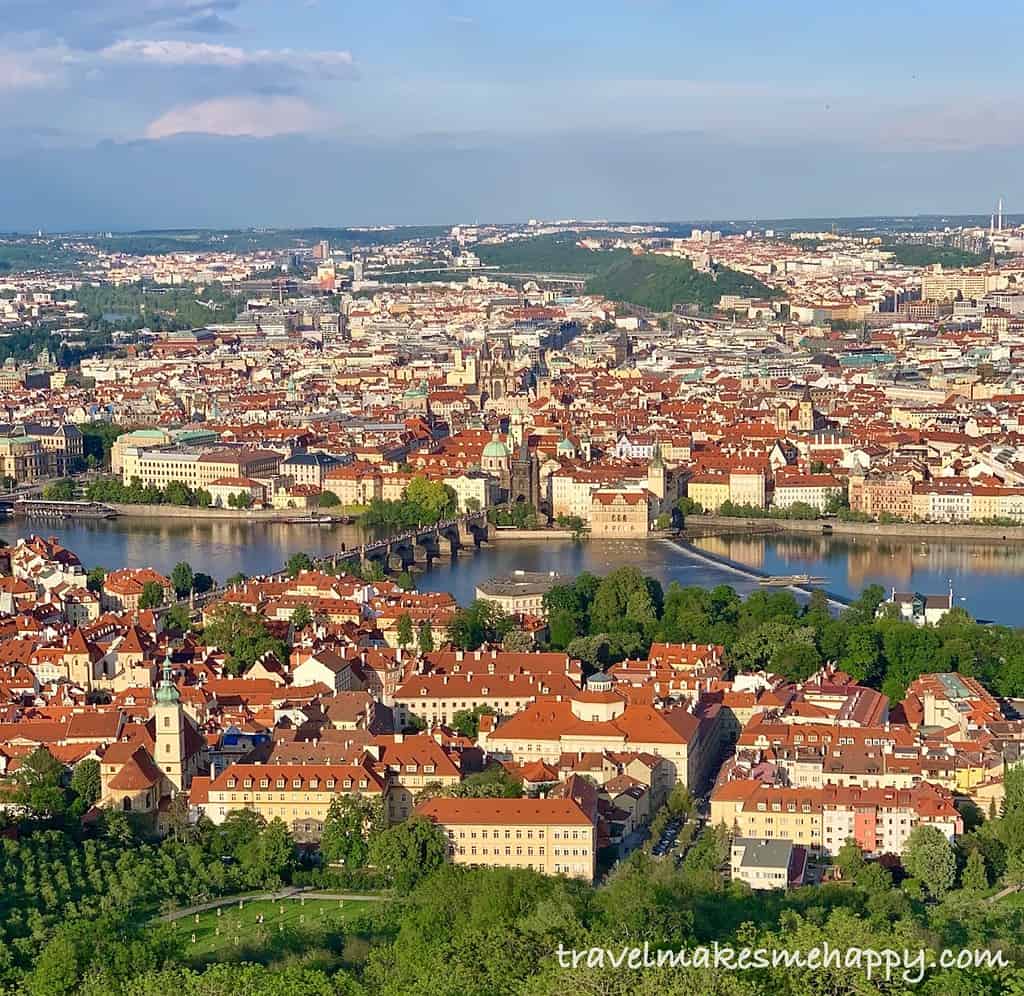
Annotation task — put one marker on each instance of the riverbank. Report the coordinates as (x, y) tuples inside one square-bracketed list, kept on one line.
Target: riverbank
[(698, 524), (191, 512), (496, 534)]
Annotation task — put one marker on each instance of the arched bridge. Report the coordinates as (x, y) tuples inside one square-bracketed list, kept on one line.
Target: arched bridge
[(421, 545)]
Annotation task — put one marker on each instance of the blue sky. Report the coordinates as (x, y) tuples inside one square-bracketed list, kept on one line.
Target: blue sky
[(161, 113)]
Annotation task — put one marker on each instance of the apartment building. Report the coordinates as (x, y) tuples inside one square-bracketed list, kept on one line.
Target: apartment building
[(195, 468), (355, 484), (879, 819), (767, 864), (298, 794), (710, 491), (435, 698), (551, 836), (815, 490), (890, 495)]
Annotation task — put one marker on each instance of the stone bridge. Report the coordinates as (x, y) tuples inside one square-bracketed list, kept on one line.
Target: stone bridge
[(422, 545)]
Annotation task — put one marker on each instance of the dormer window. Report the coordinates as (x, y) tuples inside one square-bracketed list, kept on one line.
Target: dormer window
[(232, 783), (297, 783), (348, 783), (280, 783)]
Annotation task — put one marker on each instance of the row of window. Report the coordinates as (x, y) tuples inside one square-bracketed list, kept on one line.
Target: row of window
[(507, 834), (297, 783)]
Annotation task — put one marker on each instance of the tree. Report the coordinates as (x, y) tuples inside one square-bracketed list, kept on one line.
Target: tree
[(576, 524), (177, 619), (405, 581), (491, 783), (243, 635), (563, 628), (269, 858), (409, 851), (152, 596), (203, 498), (481, 622), (687, 506), (626, 601), (297, 563), (466, 722), (40, 786), (182, 579), (95, 578), (850, 859), (301, 617), (178, 493), (432, 500), (517, 641), (59, 491), (328, 499), (975, 874), (929, 857), (348, 826), (58, 971), (1013, 783), (425, 637), (404, 630), (85, 780)]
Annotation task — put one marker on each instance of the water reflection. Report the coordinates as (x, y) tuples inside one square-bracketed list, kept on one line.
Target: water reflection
[(851, 562), (990, 576)]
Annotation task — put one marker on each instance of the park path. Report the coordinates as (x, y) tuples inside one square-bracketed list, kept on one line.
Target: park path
[(295, 892), (1003, 893)]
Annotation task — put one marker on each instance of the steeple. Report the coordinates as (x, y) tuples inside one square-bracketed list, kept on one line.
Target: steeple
[(167, 691), (169, 720)]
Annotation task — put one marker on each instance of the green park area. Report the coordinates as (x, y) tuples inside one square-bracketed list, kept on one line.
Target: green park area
[(264, 930)]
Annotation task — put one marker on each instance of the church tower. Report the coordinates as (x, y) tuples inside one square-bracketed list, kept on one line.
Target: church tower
[(805, 418), (516, 430), (170, 730), (656, 474)]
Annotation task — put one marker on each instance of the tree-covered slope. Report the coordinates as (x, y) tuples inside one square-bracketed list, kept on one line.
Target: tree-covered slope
[(660, 282)]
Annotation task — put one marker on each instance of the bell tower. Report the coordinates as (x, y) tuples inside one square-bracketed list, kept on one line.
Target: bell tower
[(170, 729)]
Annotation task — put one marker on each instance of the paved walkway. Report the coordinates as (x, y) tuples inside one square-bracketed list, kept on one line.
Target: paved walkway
[(1003, 893)]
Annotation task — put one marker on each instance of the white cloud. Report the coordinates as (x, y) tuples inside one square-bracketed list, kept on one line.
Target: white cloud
[(31, 69), (331, 64), (253, 117)]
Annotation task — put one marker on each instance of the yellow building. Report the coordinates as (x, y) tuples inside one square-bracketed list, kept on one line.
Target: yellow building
[(552, 836), (298, 794), (621, 514), (710, 491)]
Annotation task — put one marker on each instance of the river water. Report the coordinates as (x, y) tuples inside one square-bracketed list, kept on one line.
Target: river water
[(988, 578)]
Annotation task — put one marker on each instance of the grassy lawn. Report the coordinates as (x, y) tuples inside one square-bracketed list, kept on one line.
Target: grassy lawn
[(237, 933)]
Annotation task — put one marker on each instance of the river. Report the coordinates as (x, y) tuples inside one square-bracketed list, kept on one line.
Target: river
[(988, 578)]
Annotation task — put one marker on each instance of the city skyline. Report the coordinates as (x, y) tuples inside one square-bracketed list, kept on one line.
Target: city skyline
[(204, 113)]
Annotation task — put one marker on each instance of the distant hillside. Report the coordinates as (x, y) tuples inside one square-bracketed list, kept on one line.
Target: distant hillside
[(660, 282), (911, 255), (545, 254)]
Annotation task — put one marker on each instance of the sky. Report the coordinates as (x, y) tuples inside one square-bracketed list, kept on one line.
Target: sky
[(123, 114)]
